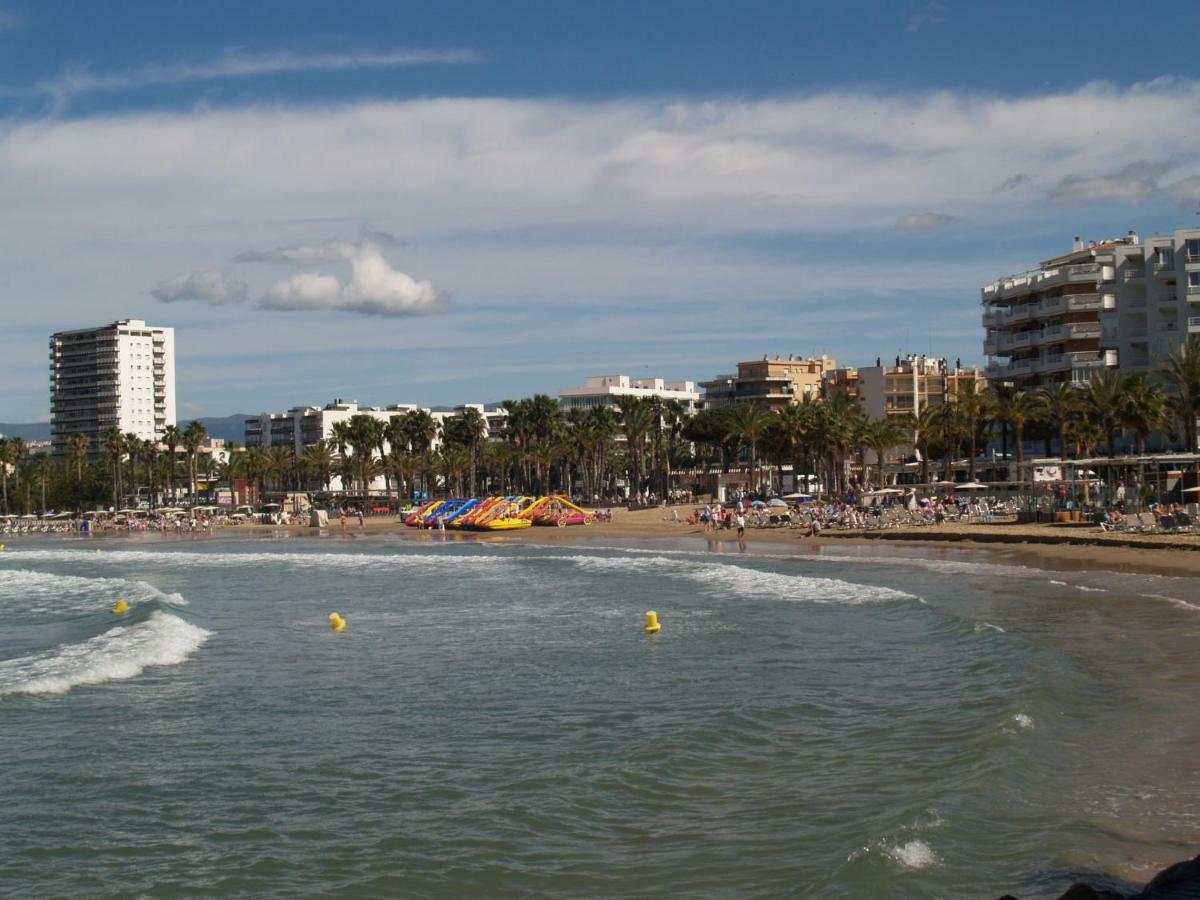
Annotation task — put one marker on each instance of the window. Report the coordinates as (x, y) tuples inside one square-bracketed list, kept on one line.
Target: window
[(1193, 280), (1193, 250)]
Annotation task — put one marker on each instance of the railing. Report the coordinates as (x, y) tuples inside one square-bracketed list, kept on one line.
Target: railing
[(1193, 324), (1163, 263), (1134, 274)]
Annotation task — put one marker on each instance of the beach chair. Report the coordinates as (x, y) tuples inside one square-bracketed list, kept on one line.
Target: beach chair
[(1185, 522)]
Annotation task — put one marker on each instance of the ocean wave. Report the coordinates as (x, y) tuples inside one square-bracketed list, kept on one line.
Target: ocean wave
[(118, 654), (1023, 721), (738, 579), (48, 592)]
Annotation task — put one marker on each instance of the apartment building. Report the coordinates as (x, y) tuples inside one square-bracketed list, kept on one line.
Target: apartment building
[(1150, 299), (913, 383), (771, 383), (120, 375), (1043, 326), (606, 390), (303, 426)]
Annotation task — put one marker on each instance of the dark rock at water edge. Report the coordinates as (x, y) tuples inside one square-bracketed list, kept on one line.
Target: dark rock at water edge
[(1178, 882)]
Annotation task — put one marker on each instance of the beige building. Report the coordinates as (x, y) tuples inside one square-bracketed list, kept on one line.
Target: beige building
[(912, 384), (773, 383)]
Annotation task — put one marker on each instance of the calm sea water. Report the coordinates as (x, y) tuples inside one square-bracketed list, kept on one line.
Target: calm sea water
[(494, 722)]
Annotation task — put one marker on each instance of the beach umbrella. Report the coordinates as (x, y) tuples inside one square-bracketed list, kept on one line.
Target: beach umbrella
[(944, 484), (797, 496), (775, 501), (972, 486), (1192, 490), (758, 504)]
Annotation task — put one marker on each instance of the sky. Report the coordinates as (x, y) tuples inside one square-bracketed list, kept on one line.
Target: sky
[(402, 202)]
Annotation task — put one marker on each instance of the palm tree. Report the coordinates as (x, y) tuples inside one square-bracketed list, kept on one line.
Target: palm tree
[(1181, 372), (1017, 410), (475, 428), (280, 461), (319, 459), (749, 422), (6, 459), (1058, 405), (77, 448), (880, 436), (1144, 409), (974, 403), (114, 446), (172, 438), (43, 469), (1105, 395), (193, 436), (637, 420)]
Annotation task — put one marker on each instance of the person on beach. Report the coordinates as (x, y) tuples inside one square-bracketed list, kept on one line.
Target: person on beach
[(361, 522), (342, 518), (741, 526)]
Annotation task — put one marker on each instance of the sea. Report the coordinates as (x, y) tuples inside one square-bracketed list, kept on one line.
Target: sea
[(494, 720)]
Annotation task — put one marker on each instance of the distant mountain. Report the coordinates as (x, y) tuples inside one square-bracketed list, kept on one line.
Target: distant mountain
[(33, 431), (231, 428)]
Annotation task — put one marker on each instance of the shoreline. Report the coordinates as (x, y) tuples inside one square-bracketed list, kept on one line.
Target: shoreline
[(1051, 547)]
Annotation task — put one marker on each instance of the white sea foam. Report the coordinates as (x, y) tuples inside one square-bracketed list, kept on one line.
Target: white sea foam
[(1174, 601), (730, 578), (49, 592), (1090, 590), (1023, 721), (120, 653), (912, 855), (988, 626)]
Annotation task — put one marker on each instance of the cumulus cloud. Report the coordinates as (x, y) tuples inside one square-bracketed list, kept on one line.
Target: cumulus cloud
[(209, 286), (374, 288), (925, 221), (75, 81)]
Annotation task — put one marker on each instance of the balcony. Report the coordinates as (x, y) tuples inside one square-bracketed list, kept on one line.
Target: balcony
[(1164, 264), (1193, 324), (1129, 275)]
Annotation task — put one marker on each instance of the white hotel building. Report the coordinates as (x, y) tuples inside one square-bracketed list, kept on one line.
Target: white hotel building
[(120, 375), (606, 390)]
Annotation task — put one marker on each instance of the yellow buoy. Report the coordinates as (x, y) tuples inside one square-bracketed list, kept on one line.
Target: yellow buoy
[(652, 626), (336, 622), (121, 607), (97, 549)]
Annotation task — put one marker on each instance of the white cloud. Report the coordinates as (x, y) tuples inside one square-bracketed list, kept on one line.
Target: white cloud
[(77, 80), (925, 221), (209, 286), (375, 288), (331, 251)]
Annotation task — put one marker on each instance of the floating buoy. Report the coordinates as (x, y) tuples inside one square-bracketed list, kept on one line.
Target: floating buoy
[(97, 549), (336, 622), (652, 626), (121, 607), (1, 548)]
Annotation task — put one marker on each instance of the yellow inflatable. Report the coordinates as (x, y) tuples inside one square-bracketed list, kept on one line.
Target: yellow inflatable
[(120, 607), (336, 622)]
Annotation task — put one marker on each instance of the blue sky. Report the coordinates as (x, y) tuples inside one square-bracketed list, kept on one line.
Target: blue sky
[(452, 202)]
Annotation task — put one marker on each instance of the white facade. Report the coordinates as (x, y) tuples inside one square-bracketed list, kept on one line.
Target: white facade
[(120, 375), (605, 390), (1150, 299), (303, 426)]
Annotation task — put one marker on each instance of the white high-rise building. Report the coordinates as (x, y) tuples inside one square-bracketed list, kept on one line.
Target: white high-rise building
[(120, 375)]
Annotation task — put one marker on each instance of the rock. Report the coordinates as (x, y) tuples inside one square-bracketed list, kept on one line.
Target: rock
[(1178, 882)]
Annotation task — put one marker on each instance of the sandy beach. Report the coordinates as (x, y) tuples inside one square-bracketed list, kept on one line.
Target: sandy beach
[(1060, 547)]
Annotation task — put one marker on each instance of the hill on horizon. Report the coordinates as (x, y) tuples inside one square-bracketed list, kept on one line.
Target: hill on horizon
[(230, 428)]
